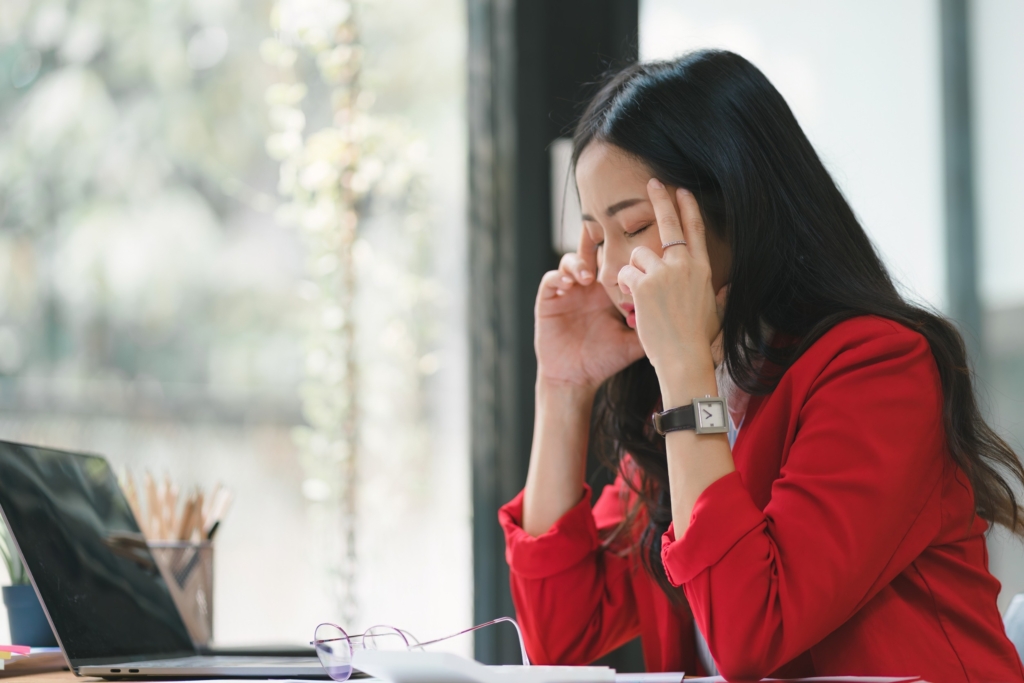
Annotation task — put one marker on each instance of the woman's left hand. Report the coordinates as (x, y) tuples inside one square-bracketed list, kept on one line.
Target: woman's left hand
[(677, 316)]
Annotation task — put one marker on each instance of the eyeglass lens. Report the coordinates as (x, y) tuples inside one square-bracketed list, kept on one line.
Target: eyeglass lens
[(384, 638), (334, 649)]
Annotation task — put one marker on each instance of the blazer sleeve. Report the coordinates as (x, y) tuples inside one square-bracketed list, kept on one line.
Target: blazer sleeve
[(855, 502), (574, 599)]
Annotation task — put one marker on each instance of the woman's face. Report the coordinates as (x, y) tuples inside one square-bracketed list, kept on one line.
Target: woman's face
[(618, 217)]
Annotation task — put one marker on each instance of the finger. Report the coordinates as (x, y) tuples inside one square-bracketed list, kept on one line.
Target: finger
[(643, 259), (587, 253), (669, 226), (693, 224), (629, 278), (551, 284), (574, 267)]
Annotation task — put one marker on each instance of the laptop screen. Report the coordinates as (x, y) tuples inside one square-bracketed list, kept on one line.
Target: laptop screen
[(83, 548)]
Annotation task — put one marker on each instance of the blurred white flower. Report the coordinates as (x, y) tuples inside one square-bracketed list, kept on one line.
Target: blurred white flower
[(318, 175), (316, 490), (69, 102), (429, 364), (311, 21), (282, 145), (316, 361), (332, 318), (287, 118), (82, 43), (48, 26), (319, 216), (207, 47), (288, 94)]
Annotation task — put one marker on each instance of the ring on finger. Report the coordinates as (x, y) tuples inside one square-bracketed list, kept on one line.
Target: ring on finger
[(672, 244)]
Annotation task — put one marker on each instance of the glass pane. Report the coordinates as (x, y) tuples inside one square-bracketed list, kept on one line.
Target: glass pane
[(998, 79), (158, 307)]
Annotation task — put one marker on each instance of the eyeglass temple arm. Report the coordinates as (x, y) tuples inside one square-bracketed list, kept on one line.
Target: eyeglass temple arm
[(522, 644)]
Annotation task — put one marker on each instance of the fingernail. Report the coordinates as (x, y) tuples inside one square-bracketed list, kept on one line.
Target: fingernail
[(585, 274), (655, 183), (559, 292), (566, 280)]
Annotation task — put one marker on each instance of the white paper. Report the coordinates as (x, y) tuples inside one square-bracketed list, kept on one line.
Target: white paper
[(661, 677), (443, 667)]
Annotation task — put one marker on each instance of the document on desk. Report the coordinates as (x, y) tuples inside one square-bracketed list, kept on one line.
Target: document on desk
[(443, 667)]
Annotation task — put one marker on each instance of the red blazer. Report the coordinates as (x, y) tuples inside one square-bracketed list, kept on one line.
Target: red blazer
[(845, 542)]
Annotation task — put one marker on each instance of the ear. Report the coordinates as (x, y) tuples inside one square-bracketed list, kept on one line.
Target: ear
[(720, 258)]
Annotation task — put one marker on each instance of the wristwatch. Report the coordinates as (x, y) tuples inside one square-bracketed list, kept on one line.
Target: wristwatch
[(704, 416)]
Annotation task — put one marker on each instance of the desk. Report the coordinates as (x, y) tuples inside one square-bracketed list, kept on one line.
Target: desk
[(50, 677)]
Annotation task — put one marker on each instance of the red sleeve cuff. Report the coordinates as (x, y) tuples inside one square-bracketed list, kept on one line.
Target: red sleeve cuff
[(572, 538), (723, 514)]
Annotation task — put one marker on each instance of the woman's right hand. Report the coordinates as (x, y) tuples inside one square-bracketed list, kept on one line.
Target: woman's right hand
[(580, 337)]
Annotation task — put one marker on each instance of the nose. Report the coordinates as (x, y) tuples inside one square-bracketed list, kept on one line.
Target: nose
[(610, 263)]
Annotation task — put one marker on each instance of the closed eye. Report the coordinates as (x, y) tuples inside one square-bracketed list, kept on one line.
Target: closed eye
[(637, 231)]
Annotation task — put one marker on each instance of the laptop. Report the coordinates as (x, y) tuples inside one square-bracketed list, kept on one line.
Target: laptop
[(105, 598)]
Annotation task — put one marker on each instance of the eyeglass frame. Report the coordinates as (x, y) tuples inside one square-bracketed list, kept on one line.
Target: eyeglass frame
[(406, 636)]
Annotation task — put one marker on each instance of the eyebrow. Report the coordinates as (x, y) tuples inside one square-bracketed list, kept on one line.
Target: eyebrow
[(615, 208)]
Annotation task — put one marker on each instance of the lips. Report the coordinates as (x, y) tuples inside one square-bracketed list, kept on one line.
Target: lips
[(630, 311)]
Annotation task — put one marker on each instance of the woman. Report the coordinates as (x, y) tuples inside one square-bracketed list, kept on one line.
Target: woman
[(838, 526)]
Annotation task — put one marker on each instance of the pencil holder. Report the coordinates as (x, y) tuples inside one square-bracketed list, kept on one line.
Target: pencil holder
[(187, 568)]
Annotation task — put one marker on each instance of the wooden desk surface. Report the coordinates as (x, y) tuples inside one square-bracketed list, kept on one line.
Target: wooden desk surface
[(48, 677)]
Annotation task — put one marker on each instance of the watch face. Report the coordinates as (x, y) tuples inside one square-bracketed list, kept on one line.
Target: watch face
[(711, 414)]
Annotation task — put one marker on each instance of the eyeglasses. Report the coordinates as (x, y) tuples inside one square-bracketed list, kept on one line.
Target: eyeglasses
[(334, 647)]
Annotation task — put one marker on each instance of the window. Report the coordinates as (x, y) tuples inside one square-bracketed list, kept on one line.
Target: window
[(157, 306)]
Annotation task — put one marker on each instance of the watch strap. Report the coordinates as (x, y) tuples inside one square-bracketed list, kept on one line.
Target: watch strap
[(675, 419)]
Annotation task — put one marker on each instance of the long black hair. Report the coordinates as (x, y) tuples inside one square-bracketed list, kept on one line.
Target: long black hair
[(801, 263)]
